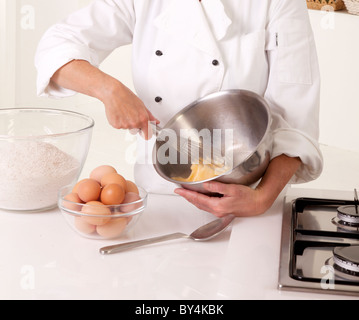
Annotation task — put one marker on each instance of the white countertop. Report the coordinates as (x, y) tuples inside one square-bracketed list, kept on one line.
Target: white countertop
[(43, 258)]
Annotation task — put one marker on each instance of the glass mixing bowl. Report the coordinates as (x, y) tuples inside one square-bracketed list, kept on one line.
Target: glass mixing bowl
[(41, 151), (104, 221)]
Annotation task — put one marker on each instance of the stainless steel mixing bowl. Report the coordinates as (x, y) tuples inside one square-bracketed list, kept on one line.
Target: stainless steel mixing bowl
[(243, 113)]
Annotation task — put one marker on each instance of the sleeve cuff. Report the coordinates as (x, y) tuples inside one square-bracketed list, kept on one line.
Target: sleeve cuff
[(294, 143)]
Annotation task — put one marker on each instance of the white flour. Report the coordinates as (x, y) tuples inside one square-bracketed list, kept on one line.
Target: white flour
[(32, 173)]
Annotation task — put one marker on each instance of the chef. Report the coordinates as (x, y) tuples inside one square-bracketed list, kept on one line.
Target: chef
[(187, 49)]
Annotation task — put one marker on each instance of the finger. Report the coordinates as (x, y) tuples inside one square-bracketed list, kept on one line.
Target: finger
[(218, 187), (142, 132), (134, 131), (146, 127), (146, 130), (210, 204), (193, 198), (137, 131), (152, 118)]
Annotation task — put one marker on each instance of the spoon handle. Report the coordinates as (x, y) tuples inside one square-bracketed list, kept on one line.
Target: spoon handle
[(134, 244)]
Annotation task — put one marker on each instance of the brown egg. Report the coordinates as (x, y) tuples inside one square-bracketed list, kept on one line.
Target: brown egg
[(112, 229), (83, 226), (76, 187), (100, 171), (129, 198), (112, 194), (74, 200), (89, 190), (113, 178), (96, 208), (131, 187)]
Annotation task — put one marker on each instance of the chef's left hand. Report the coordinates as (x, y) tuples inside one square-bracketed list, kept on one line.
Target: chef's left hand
[(239, 200), (243, 201)]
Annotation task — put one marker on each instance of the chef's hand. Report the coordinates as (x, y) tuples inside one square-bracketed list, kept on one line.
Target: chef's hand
[(243, 201), (239, 200), (124, 110)]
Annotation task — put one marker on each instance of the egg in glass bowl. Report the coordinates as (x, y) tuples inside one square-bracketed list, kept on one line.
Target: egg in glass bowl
[(96, 220)]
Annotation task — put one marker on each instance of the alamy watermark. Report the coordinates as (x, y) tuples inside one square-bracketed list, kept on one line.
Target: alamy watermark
[(27, 17), (327, 22), (186, 146), (27, 279), (327, 282)]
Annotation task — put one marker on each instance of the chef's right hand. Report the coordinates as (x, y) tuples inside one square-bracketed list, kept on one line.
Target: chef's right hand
[(124, 110)]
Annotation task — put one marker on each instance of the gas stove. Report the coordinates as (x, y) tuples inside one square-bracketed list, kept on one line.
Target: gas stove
[(320, 242)]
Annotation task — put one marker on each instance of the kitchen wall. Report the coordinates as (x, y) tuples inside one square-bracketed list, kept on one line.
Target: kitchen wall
[(25, 22), (22, 23), (337, 39)]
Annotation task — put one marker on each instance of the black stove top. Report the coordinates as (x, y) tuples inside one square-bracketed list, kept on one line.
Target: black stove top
[(320, 243)]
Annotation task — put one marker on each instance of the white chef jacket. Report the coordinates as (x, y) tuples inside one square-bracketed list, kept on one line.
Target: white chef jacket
[(186, 49)]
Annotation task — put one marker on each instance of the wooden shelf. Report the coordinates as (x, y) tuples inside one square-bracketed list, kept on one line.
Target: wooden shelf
[(344, 11)]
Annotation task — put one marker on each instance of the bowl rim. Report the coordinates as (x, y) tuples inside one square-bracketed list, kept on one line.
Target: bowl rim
[(90, 124), (116, 206)]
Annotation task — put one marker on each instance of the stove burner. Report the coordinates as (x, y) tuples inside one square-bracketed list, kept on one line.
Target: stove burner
[(348, 215), (345, 227), (346, 259)]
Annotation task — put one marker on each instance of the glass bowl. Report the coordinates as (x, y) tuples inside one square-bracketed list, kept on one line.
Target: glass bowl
[(42, 150), (103, 221)]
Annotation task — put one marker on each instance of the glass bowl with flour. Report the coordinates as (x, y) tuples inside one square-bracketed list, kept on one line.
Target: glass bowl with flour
[(41, 151)]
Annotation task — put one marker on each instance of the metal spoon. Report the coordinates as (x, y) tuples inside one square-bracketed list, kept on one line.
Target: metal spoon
[(205, 232)]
